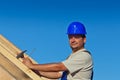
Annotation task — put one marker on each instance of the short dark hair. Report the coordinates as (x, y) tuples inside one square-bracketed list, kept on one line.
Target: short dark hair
[(83, 35), (80, 35)]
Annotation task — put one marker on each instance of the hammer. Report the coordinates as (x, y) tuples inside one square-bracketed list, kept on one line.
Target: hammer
[(21, 55)]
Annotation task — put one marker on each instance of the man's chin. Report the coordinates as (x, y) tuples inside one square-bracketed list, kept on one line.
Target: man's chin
[(74, 48)]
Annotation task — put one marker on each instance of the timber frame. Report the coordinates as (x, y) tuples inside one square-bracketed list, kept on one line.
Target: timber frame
[(12, 68)]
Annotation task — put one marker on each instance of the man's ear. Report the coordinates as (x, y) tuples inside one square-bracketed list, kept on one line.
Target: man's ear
[(84, 39)]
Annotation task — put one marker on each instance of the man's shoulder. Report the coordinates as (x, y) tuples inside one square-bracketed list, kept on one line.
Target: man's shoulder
[(83, 54)]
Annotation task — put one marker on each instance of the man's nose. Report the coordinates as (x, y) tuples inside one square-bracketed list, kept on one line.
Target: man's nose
[(72, 38)]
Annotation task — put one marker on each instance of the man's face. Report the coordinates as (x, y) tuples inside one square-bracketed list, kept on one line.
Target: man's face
[(76, 42)]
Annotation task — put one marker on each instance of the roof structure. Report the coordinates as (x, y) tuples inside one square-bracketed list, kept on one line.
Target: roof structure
[(12, 68)]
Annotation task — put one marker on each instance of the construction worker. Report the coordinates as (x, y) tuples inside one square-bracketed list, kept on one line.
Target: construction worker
[(78, 66)]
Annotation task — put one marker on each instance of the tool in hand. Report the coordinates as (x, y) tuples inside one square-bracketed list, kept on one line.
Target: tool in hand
[(21, 55)]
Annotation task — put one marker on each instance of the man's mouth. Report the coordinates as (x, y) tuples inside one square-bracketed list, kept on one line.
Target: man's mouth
[(73, 43)]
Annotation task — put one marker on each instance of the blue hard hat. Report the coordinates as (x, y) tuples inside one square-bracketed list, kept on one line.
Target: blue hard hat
[(76, 28)]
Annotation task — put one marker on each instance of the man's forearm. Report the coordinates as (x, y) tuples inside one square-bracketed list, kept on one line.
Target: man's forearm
[(53, 67), (51, 75)]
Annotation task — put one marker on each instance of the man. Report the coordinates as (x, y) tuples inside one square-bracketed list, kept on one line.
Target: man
[(78, 66)]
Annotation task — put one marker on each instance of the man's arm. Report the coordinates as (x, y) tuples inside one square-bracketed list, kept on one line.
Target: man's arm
[(51, 75), (52, 67)]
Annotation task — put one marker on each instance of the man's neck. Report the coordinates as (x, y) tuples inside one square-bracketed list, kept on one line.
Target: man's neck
[(76, 49)]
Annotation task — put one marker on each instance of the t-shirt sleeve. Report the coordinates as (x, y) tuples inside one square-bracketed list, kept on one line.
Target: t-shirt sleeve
[(77, 62)]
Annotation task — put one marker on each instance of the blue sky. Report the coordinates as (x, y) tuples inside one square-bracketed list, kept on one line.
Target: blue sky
[(41, 25)]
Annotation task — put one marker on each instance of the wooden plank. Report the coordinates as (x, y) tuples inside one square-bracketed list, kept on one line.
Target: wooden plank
[(17, 63), (12, 69), (9, 46), (10, 51), (4, 75), (11, 64)]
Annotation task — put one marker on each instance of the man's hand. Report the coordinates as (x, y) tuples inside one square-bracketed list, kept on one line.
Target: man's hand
[(27, 62)]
